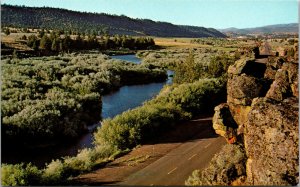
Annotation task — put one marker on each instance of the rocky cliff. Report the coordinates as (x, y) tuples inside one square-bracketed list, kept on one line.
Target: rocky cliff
[(261, 114)]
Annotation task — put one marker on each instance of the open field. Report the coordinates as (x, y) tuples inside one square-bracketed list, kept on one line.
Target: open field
[(176, 43)]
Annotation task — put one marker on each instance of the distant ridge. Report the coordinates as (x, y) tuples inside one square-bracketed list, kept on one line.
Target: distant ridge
[(279, 28), (56, 18)]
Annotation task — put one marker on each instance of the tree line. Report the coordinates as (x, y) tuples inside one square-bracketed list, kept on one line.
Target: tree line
[(57, 42)]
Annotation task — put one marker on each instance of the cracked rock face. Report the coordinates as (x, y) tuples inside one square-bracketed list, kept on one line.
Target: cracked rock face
[(271, 143), (242, 89), (280, 88), (262, 103)]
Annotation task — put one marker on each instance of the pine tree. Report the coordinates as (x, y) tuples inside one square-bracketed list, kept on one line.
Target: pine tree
[(45, 43), (55, 45), (187, 71), (35, 46), (15, 54), (7, 32), (41, 33), (32, 39)]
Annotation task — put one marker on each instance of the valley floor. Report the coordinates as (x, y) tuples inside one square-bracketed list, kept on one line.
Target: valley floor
[(168, 160)]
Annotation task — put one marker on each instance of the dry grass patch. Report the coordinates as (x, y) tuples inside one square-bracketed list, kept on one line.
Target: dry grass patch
[(176, 43)]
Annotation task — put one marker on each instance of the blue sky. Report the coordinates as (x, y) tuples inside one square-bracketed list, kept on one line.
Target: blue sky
[(207, 13)]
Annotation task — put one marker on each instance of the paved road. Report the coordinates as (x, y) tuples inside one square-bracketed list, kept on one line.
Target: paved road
[(175, 167), (266, 49)]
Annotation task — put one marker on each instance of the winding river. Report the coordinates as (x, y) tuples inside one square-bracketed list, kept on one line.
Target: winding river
[(127, 97)]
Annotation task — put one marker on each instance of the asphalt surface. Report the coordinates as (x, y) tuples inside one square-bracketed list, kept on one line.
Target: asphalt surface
[(175, 167), (266, 49)]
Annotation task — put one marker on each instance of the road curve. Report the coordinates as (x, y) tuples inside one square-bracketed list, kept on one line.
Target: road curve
[(175, 167)]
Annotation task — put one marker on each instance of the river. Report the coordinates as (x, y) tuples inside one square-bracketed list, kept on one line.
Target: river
[(127, 97)]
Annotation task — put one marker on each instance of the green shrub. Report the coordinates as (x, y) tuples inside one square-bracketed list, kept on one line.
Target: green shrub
[(187, 71), (173, 104), (83, 161), (196, 97), (20, 175), (50, 97), (225, 167), (218, 65), (135, 126), (54, 173), (87, 159)]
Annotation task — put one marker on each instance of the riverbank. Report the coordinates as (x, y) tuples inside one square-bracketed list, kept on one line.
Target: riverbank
[(56, 77), (114, 102)]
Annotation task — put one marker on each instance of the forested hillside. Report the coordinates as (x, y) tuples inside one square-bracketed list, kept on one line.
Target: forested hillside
[(61, 19)]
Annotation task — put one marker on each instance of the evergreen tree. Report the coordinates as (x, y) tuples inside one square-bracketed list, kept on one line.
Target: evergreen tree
[(55, 44), (7, 32), (41, 33), (66, 43), (45, 43), (35, 45), (187, 71), (15, 54), (23, 37), (31, 40)]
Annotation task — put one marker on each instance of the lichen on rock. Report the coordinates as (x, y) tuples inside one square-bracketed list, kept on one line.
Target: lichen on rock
[(262, 112), (263, 106), (271, 143)]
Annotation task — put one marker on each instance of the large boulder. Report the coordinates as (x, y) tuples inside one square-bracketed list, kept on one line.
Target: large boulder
[(242, 89), (271, 143), (273, 64), (240, 115), (270, 73), (280, 88), (224, 124), (296, 50), (295, 88), (239, 66), (292, 70), (262, 103)]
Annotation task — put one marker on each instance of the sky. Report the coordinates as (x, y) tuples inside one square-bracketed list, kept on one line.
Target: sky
[(207, 13)]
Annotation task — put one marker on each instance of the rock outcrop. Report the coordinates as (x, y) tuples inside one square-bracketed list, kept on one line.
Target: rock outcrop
[(271, 142), (224, 124), (262, 113)]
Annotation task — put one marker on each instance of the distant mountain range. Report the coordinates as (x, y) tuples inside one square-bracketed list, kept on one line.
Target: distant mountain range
[(55, 18), (279, 28)]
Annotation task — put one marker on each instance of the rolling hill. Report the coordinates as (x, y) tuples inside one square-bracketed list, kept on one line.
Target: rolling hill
[(279, 28), (55, 18)]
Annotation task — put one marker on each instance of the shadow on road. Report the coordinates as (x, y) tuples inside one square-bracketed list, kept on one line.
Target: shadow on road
[(117, 171), (106, 183), (197, 128)]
